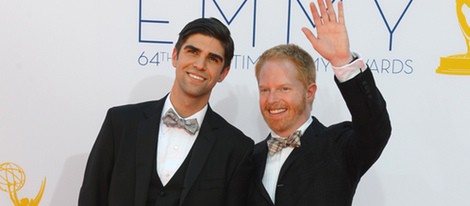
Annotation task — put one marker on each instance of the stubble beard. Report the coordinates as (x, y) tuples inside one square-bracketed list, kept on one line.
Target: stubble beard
[(286, 123)]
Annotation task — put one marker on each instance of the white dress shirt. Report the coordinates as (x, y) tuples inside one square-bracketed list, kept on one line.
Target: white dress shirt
[(349, 71), (174, 144)]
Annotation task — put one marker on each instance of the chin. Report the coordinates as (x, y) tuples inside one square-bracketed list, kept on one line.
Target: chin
[(276, 127)]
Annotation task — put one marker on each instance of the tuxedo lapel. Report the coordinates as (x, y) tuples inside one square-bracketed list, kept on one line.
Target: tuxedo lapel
[(259, 157), (292, 157), (200, 152), (147, 137), (299, 165), (307, 149)]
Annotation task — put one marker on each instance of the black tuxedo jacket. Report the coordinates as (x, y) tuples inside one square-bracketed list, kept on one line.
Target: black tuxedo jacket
[(326, 168), (120, 164)]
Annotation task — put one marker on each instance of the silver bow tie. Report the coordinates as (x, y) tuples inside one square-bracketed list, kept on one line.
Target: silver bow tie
[(171, 119)]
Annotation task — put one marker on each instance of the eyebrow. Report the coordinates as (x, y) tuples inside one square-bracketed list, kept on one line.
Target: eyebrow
[(213, 55)]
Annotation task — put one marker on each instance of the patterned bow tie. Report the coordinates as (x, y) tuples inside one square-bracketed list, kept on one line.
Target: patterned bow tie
[(276, 144), (171, 119)]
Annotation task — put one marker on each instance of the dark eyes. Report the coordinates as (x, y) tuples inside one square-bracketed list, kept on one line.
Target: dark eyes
[(214, 59), (211, 57), (193, 51), (285, 89)]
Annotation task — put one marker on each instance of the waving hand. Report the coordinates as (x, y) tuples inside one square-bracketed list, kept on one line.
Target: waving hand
[(331, 41)]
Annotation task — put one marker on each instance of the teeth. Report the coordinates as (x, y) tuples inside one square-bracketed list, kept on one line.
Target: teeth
[(276, 111), (196, 77)]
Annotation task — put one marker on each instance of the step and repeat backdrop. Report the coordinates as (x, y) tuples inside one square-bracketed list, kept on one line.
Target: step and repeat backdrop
[(64, 63)]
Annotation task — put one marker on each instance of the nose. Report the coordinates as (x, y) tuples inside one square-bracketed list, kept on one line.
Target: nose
[(199, 63), (272, 96)]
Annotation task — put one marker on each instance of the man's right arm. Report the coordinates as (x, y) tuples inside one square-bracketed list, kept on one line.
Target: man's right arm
[(95, 186)]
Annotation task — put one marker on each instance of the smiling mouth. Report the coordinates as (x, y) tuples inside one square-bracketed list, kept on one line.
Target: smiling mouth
[(276, 111), (197, 77)]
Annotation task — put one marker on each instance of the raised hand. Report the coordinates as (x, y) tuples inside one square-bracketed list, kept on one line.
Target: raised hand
[(331, 41)]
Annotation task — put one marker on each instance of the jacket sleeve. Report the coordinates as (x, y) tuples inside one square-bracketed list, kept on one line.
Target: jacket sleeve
[(238, 187), (95, 186), (371, 128)]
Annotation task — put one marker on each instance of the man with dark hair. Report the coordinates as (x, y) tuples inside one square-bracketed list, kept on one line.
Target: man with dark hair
[(302, 162), (175, 151)]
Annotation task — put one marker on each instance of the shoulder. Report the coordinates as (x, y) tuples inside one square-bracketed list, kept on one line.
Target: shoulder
[(332, 131), (320, 132), (229, 132), (134, 110), (133, 107)]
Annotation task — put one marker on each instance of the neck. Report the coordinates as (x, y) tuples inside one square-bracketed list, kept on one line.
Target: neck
[(186, 105), (291, 130)]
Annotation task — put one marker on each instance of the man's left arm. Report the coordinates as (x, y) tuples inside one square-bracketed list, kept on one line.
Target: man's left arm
[(370, 120)]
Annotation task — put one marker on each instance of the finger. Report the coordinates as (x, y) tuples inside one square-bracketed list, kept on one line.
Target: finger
[(323, 11), (340, 12), (310, 36), (331, 10), (316, 17)]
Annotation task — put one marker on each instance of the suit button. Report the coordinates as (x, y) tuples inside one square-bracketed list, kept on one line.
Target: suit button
[(162, 193)]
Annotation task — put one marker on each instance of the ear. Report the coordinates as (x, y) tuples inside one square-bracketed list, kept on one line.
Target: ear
[(174, 57), (311, 91), (223, 73)]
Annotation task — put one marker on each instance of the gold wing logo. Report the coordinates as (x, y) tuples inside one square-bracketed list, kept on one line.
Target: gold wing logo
[(458, 64), (12, 179)]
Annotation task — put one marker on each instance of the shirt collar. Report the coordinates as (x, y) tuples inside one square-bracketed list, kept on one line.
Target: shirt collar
[(199, 115)]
